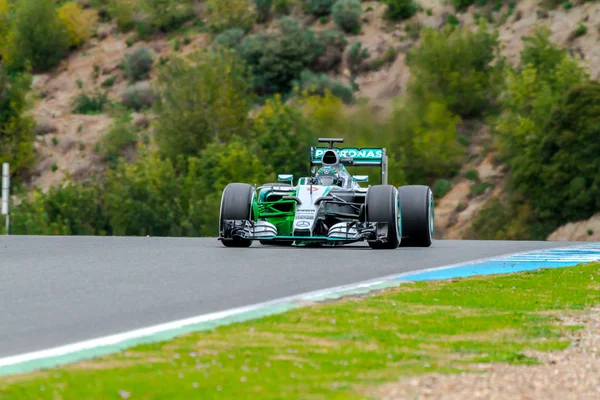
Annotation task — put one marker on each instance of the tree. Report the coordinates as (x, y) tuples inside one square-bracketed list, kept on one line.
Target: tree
[(283, 136), (16, 128), (38, 37), (454, 66), (200, 102)]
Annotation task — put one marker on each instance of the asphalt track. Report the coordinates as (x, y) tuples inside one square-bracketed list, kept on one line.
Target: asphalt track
[(59, 290)]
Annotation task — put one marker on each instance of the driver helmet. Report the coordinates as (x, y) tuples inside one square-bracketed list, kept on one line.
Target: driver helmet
[(327, 176)]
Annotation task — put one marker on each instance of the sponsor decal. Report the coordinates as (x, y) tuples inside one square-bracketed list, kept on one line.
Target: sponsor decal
[(312, 188), (305, 210), (302, 224), (358, 154), (305, 216)]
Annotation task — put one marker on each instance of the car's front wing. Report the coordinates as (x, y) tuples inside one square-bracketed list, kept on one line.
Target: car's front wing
[(344, 231)]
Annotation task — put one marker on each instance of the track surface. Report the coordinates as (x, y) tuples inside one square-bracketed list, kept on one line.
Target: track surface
[(59, 290)]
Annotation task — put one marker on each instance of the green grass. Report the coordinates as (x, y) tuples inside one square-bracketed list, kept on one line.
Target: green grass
[(342, 349)]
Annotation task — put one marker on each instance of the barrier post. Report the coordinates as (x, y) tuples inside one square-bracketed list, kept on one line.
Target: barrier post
[(6, 194)]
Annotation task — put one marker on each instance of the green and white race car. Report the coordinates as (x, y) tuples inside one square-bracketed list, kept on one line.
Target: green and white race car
[(329, 208)]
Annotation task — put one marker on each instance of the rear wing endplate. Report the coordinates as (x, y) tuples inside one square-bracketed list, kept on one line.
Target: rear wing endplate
[(351, 156)]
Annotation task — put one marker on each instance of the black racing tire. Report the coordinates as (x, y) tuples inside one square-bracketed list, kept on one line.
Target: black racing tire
[(236, 203), (276, 242), (382, 205), (416, 203)]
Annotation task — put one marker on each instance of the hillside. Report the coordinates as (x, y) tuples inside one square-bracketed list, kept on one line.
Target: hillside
[(465, 152)]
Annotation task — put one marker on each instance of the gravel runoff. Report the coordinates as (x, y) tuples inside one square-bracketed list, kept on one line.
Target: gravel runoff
[(570, 374)]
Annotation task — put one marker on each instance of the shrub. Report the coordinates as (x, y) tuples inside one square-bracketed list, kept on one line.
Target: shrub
[(138, 64), (472, 175), (320, 83), (123, 11), (165, 15), (120, 136), (282, 134), (70, 209), (277, 59), (229, 38), (399, 10), (462, 4), (424, 134), (479, 188), (281, 7), (319, 7), (79, 23), (559, 174), (229, 14), (16, 127), (346, 14), (263, 10), (4, 23), (388, 57), (454, 66), (356, 57), (94, 104), (333, 43), (441, 188), (138, 96), (199, 103), (42, 47)]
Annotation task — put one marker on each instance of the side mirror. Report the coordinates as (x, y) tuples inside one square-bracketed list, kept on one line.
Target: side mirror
[(360, 178), (286, 178)]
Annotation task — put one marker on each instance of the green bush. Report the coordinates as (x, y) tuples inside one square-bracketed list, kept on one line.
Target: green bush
[(165, 15), (320, 83), (424, 137), (472, 175), (120, 136), (37, 37), (346, 14), (202, 101), (277, 59), (229, 38), (283, 135), (479, 188), (138, 97), (549, 106), (16, 127), (441, 188), (138, 64), (454, 66), (559, 174), (224, 15), (263, 10), (90, 104), (399, 10), (71, 209), (330, 52), (282, 7), (463, 4), (356, 57), (319, 7)]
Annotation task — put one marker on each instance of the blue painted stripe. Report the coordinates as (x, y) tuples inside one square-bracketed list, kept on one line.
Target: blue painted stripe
[(551, 258)]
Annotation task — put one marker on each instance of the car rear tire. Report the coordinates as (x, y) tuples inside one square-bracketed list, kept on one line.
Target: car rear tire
[(416, 202), (236, 204), (382, 205)]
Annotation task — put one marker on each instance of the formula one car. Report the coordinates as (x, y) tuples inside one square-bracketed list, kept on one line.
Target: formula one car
[(329, 208)]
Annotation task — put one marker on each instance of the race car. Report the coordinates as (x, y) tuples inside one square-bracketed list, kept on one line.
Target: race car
[(330, 207)]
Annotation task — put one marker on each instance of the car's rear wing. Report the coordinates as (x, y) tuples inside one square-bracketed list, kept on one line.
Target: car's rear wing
[(351, 156)]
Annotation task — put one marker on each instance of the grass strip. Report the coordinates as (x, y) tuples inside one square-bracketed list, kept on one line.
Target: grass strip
[(341, 349)]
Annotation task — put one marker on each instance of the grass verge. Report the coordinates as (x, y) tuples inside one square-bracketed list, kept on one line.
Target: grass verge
[(342, 349)]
